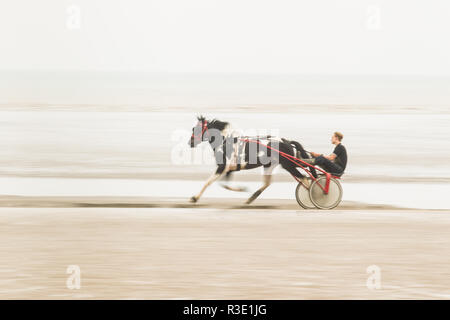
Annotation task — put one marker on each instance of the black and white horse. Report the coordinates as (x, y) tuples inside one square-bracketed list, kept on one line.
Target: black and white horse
[(235, 153)]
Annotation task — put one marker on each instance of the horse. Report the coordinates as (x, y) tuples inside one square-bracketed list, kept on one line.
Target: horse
[(234, 153)]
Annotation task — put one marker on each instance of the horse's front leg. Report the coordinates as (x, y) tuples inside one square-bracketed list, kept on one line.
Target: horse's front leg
[(228, 175), (219, 173)]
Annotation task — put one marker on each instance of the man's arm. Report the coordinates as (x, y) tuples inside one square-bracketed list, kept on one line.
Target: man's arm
[(331, 157)]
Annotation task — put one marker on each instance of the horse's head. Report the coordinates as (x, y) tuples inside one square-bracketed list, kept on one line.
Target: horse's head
[(198, 132), (210, 131)]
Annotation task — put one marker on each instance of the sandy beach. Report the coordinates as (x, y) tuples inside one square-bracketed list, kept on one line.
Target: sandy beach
[(208, 253), (99, 189), (98, 103)]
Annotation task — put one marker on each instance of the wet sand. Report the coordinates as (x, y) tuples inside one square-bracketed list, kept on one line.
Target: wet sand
[(207, 253), (205, 203), (130, 245)]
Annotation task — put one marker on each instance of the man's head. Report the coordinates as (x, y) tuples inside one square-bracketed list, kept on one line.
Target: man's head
[(337, 137)]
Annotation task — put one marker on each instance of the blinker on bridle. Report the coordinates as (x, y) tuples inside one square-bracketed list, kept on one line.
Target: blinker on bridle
[(199, 138)]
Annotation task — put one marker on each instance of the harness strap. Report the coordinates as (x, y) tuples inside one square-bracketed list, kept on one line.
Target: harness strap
[(204, 129), (297, 162)]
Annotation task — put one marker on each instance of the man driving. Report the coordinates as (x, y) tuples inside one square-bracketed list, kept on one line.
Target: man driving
[(336, 162)]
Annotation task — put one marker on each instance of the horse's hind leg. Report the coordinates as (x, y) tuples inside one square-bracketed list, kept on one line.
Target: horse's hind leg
[(267, 181)]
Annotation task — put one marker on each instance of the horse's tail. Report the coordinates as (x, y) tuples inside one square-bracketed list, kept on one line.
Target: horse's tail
[(299, 147), (303, 154)]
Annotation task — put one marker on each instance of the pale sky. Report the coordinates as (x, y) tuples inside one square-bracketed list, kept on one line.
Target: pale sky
[(279, 36)]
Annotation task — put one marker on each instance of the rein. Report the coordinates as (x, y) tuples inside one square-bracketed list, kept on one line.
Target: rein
[(297, 162)]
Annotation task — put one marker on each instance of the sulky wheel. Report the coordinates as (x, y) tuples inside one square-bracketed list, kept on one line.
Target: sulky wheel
[(302, 196), (322, 200)]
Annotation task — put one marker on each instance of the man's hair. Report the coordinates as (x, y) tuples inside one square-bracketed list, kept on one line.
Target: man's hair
[(339, 135)]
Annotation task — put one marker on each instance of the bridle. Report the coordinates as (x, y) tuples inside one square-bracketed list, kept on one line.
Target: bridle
[(199, 138)]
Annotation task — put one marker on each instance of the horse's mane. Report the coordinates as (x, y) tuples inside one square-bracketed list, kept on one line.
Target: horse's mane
[(214, 123), (217, 124)]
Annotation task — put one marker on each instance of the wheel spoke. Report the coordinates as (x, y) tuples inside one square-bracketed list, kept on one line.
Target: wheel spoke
[(303, 198), (322, 200)]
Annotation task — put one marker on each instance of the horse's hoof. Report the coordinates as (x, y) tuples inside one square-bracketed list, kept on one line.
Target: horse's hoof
[(253, 197), (193, 199)]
